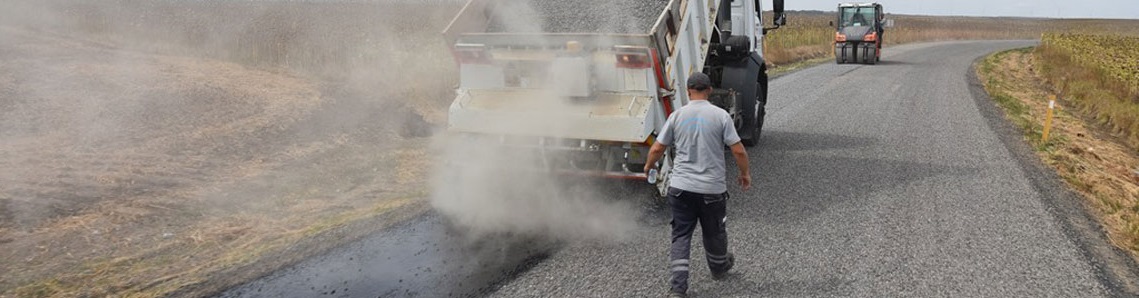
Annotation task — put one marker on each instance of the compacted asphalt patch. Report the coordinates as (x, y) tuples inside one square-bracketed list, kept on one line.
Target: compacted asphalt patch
[(419, 258)]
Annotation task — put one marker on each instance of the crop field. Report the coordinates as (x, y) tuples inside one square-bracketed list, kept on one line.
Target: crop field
[(1116, 56), (809, 35), (1100, 73)]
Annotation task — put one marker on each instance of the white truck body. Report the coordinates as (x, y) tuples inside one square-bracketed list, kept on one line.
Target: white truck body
[(601, 92)]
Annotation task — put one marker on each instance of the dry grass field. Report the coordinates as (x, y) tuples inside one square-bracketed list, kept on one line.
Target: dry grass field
[(150, 148), (166, 147), (809, 35)]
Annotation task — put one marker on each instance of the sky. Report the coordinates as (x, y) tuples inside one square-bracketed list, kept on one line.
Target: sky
[(1111, 9)]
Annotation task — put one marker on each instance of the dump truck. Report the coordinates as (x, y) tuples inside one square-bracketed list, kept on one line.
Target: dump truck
[(858, 33), (589, 83)]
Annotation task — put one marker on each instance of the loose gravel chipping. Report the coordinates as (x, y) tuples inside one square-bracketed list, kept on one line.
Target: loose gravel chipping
[(576, 16)]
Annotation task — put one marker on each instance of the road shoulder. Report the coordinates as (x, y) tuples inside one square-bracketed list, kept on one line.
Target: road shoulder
[(1115, 269)]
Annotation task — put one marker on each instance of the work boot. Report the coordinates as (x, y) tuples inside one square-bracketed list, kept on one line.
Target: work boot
[(722, 274)]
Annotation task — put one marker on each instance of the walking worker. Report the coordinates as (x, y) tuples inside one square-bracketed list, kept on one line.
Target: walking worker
[(697, 190)]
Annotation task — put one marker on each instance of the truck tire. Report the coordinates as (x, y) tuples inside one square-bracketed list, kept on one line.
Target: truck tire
[(752, 117), (743, 77)]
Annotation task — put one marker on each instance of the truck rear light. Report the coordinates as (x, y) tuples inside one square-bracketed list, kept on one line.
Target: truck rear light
[(471, 54), (839, 37), (872, 36), (633, 57)]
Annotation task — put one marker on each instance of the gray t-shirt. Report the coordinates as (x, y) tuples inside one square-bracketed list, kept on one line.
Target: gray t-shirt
[(699, 131)]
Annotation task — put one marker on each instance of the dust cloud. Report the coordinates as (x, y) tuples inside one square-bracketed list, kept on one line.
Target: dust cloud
[(485, 188), (502, 184), (132, 130), (226, 84)]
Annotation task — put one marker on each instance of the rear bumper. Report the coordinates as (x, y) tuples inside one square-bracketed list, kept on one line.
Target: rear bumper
[(607, 175), (854, 44), (558, 156), (620, 117)]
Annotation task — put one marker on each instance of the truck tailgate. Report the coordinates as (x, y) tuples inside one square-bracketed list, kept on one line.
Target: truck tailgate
[(606, 116)]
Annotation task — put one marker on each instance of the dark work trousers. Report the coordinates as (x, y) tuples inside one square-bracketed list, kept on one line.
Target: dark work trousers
[(688, 209)]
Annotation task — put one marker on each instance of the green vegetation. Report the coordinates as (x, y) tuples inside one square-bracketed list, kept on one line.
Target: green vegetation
[(1015, 110)]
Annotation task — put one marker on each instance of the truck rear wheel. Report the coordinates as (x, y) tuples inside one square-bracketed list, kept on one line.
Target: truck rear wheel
[(752, 117), (743, 78)]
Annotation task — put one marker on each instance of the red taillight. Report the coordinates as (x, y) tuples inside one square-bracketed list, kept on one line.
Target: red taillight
[(872, 36), (471, 54), (839, 37), (633, 57)]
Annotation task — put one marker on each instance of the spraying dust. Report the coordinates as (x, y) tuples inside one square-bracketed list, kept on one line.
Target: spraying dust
[(488, 188), (502, 181), (207, 142)]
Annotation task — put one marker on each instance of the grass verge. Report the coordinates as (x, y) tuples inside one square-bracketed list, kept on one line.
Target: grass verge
[(780, 70), (1087, 155)]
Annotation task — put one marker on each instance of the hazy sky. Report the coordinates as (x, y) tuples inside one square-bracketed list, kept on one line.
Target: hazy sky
[(1116, 9)]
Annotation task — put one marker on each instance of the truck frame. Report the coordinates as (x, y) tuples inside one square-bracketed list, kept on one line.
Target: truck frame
[(596, 100)]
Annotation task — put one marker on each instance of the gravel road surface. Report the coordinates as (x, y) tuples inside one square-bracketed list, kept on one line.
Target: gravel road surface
[(898, 179), (873, 181), (577, 16)]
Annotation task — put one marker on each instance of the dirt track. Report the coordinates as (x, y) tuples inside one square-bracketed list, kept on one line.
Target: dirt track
[(118, 166)]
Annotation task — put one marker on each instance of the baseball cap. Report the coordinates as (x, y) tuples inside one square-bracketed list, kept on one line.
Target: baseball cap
[(699, 81)]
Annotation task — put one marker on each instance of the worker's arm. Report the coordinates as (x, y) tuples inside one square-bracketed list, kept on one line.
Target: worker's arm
[(655, 153), (741, 162)]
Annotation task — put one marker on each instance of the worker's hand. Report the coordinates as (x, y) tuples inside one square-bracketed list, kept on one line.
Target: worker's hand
[(745, 182), (647, 168)]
